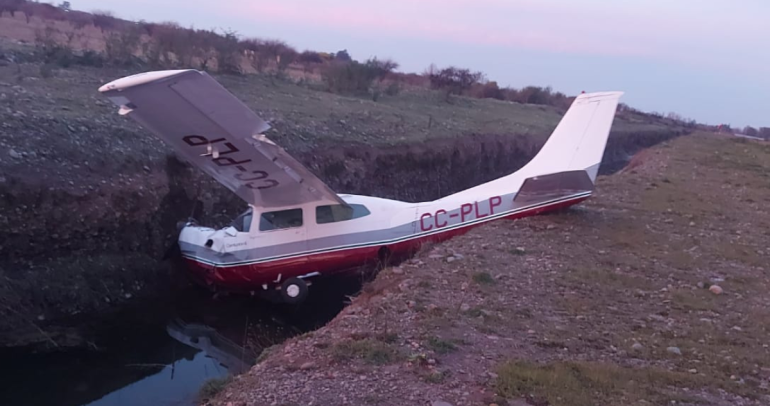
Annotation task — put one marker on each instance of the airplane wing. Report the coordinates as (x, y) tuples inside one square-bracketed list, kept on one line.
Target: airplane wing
[(216, 132)]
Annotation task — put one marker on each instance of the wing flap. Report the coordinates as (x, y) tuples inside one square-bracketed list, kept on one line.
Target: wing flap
[(216, 132)]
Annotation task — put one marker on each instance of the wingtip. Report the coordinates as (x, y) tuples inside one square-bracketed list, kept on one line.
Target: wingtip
[(141, 78)]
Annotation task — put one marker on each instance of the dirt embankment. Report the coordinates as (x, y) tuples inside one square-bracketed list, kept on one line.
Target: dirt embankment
[(89, 201), (653, 292)]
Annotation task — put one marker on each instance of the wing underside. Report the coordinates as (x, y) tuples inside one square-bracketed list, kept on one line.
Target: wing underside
[(213, 130)]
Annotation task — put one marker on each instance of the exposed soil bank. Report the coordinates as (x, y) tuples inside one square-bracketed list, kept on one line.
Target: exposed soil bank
[(82, 246), (652, 292)]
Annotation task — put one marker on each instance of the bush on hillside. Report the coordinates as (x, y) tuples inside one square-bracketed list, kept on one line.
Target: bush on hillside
[(353, 78), (454, 80), (228, 53), (310, 60), (121, 46)]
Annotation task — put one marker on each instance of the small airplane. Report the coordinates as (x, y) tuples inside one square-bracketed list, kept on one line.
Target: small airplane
[(296, 228)]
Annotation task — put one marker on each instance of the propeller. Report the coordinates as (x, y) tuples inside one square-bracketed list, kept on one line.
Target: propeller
[(173, 249)]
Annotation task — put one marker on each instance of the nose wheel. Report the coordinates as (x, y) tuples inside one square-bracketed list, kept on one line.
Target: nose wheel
[(294, 290)]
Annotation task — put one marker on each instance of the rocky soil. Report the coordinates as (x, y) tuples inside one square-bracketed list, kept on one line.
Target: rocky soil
[(653, 292), (89, 201)]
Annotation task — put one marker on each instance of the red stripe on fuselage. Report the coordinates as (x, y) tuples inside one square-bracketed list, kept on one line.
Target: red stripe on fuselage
[(252, 276)]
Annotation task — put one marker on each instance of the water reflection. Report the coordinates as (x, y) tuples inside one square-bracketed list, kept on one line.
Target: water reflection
[(175, 384), (160, 353)]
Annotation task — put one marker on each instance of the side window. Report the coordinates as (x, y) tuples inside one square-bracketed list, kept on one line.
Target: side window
[(275, 220), (338, 212)]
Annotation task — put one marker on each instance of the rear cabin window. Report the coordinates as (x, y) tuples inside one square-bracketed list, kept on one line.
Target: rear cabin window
[(337, 212), (276, 220)]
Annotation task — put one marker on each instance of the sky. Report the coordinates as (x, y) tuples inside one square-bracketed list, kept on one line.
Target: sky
[(704, 59)]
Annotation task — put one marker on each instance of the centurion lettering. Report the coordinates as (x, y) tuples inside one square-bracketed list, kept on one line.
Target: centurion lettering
[(467, 212), (253, 178)]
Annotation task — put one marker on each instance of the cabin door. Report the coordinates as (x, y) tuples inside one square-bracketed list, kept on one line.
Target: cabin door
[(282, 240)]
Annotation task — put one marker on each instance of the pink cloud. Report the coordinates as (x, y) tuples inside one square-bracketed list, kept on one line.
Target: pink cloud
[(434, 19), (658, 29)]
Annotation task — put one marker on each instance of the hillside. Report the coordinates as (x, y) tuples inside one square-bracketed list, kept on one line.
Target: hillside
[(653, 292)]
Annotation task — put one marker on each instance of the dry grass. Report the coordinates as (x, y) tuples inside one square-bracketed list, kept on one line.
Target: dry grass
[(586, 384)]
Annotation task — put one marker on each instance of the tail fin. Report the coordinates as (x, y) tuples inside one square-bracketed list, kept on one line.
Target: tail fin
[(579, 140)]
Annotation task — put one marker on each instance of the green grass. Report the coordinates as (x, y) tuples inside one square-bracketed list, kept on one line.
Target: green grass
[(483, 278), (441, 346), (212, 387), (371, 351), (586, 384)]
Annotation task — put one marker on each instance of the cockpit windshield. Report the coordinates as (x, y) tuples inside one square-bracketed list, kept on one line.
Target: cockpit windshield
[(242, 223)]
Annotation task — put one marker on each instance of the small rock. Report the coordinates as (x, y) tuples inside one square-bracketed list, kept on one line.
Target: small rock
[(674, 350), (307, 365), (701, 285), (736, 328), (41, 317), (716, 289), (637, 347), (127, 296), (530, 331), (146, 168), (465, 307), (440, 403), (693, 371), (397, 271), (14, 154), (451, 259), (692, 224)]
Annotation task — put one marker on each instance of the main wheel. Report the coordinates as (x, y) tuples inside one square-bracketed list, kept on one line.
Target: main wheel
[(294, 291)]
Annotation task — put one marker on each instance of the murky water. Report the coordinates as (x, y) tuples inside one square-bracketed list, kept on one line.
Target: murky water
[(161, 353)]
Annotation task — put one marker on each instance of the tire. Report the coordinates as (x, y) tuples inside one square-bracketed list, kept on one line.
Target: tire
[(294, 291)]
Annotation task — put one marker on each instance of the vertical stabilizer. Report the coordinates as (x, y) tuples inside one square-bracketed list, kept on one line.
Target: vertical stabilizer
[(578, 141)]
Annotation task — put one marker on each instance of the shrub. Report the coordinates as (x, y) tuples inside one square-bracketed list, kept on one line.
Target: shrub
[(393, 89), (310, 60), (278, 51), (104, 20), (50, 50), (453, 80), (11, 6), (349, 77), (228, 55), (120, 46), (253, 50)]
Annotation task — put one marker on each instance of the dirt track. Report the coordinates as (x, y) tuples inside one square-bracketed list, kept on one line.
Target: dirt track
[(611, 302)]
